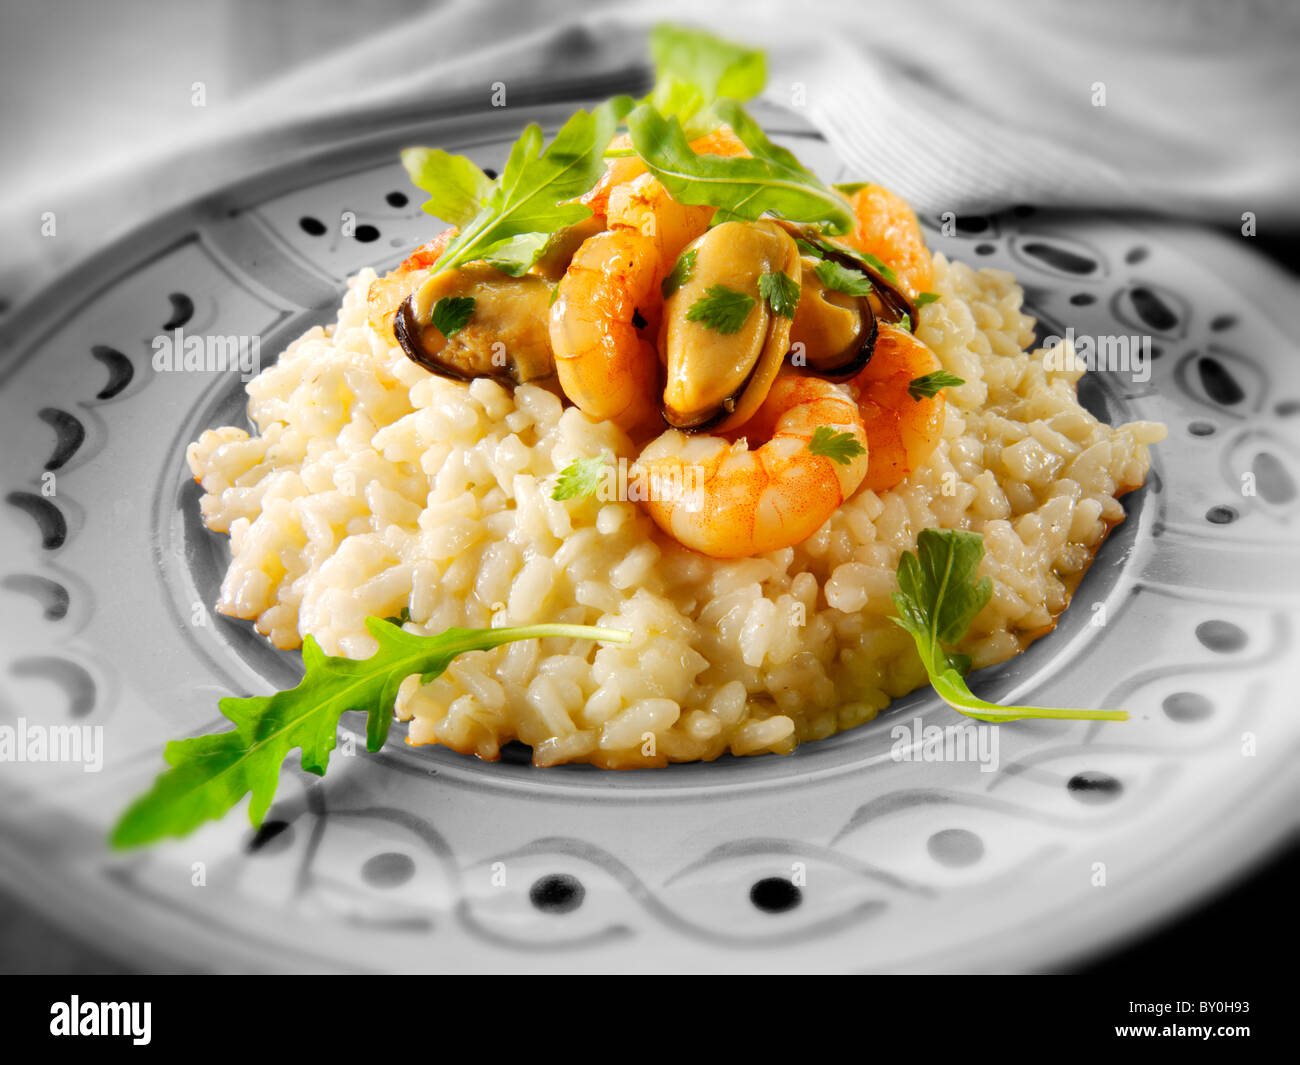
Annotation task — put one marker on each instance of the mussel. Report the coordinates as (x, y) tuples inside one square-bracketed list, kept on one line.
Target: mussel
[(716, 376), (505, 337), (834, 332)]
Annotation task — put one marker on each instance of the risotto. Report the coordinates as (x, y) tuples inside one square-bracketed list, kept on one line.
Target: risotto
[(371, 487)]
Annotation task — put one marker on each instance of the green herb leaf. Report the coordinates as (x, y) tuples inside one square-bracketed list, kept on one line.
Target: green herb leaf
[(771, 181), (928, 386), (581, 477), (843, 278), (884, 271), (823, 248), (516, 256), (530, 200), (682, 271), (693, 68), (938, 598), (721, 309), (850, 187), (842, 447), (456, 186), (905, 322), (780, 291), (210, 774), (451, 314), (923, 298)]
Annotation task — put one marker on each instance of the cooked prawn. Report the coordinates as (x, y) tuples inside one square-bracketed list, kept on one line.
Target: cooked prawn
[(604, 363), (643, 204), (888, 229), (723, 499), (638, 200), (608, 304), (902, 432)]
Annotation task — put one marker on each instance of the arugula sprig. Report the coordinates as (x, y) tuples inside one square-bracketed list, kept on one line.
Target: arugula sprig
[(210, 774), (769, 180), (507, 221), (938, 598), (694, 68), (457, 187)]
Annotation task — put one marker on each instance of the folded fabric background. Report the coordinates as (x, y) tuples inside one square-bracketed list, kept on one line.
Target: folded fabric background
[(1185, 108)]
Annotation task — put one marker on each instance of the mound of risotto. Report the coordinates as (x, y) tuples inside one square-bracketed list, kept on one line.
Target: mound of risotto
[(715, 425)]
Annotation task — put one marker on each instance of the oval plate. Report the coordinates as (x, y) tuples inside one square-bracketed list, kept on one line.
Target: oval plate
[(842, 856)]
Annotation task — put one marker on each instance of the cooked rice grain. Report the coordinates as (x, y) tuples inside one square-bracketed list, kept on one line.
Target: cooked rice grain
[(371, 485)]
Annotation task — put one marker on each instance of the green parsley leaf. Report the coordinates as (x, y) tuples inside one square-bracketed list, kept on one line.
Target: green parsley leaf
[(721, 309), (455, 184), (682, 270), (850, 187), (905, 322), (842, 447), (451, 314), (742, 188), (208, 775), (780, 291), (532, 197), (694, 68), (580, 478), (928, 386), (843, 278), (876, 264), (938, 598), (923, 298), (823, 248)]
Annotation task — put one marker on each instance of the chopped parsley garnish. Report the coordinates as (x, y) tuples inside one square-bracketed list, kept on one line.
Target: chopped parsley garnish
[(451, 314), (722, 309), (681, 272), (580, 478), (819, 248), (843, 278), (923, 298), (209, 774), (780, 291), (694, 68), (929, 386), (841, 447), (938, 598)]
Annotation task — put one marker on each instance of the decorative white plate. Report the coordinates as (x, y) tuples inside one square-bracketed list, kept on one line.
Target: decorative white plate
[(835, 858)]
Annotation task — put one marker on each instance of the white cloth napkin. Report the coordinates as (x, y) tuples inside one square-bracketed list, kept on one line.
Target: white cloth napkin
[(1187, 108)]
